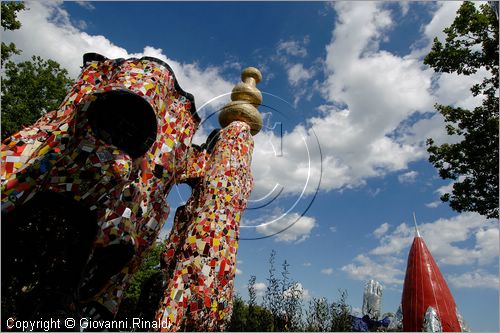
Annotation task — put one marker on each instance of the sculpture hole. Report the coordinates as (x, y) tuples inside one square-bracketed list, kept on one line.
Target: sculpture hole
[(125, 120)]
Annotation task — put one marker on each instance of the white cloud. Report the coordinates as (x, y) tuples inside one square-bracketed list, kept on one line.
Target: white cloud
[(299, 228), (260, 288), (367, 126), (405, 6), (327, 271), (307, 264), (381, 230), (451, 89), (364, 268), (239, 271), (47, 30), (86, 4), (464, 240), (378, 91), (390, 244), (445, 189), (433, 204), (408, 177), (442, 235), (443, 16), (333, 229), (475, 279), (297, 73), (293, 47)]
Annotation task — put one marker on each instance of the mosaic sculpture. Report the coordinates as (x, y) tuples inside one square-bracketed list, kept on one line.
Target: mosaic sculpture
[(427, 302), (200, 256), (83, 193)]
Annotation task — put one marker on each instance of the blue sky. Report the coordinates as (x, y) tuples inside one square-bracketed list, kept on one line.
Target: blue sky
[(345, 84)]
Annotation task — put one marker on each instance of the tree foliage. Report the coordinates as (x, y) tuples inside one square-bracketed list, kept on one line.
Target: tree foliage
[(341, 314), (283, 298), (281, 310), (10, 22), (252, 305), (273, 299), (30, 89), (148, 267), (146, 286), (471, 44), (318, 315), (241, 321)]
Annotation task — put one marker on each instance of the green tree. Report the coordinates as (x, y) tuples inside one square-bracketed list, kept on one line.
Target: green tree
[(318, 316), (147, 269), (471, 43), (273, 298), (283, 299), (292, 300), (29, 90), (252, 304), (341, 314), (239, 318), (141, 297), (10, 22)]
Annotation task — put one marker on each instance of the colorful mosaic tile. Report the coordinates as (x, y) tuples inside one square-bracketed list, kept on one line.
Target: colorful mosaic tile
[(117, 144), (200, 256), (73, 151)]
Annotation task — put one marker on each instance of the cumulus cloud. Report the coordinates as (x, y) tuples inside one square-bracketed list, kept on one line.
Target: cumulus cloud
[(86, 4), (378, 89), (381, 230), (443, 16), (475, 279), (297, 73), (450, 88), (364, 268), (260, 288), (445, 238), (47, 30), (378, 110), (293, 47), (327, 271), (445, 189), (408, 177), (433, 204), (299, 228), (369, 93), (442, 235)]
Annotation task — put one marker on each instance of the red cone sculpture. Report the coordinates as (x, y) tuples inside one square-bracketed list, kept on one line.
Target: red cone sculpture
[(427, 301)]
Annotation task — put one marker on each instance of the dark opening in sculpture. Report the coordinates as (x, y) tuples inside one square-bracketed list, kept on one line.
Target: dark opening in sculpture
[(124, 120)]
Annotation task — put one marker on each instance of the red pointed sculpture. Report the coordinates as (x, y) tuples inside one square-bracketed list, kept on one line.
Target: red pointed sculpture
[(427, 303)]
